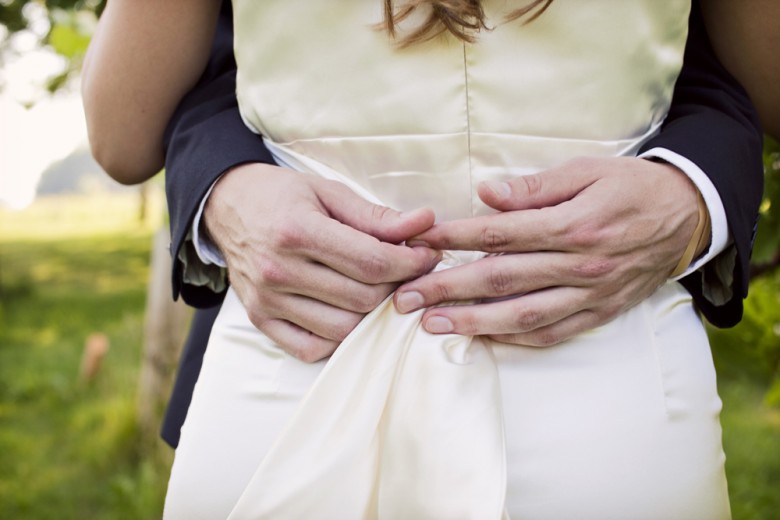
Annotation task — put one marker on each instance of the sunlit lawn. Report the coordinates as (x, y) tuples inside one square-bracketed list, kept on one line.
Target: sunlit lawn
[(751, 428), (68, 449)]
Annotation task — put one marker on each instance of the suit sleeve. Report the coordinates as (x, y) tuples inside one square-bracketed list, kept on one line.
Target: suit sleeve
[(712, 123), (204, 138)]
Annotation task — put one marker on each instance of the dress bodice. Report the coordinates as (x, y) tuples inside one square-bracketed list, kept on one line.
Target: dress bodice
[(422, 125)]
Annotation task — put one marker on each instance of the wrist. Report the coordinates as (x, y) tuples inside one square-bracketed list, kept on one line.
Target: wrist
[(699, 241), (232, 194), (202, 243), (699, 238), (225, 193)]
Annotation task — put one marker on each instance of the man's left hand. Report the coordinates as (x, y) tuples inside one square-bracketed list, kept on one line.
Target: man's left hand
[(579, 244)]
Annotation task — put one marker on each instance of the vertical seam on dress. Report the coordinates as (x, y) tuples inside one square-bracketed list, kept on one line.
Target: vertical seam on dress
[(468, 126), (650, 319)]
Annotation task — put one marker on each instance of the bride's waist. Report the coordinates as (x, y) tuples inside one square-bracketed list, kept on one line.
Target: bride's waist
[(441, 172)]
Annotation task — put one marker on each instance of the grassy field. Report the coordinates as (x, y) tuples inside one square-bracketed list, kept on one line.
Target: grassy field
[(70, 267)]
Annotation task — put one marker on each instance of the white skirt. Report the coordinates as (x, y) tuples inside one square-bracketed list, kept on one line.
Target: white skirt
[(620, 422)]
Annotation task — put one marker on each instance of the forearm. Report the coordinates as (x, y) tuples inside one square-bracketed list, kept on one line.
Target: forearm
[(745, 35), (144, 57)]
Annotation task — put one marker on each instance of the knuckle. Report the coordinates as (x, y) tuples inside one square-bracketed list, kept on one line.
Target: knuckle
[(594, 267), (364, 305), (467, 325), (499, 281), (606, 314), (493, 239), (338, 326), (372, 299), (341, 330), (313, 350), (532, 184), (583, 235), (308, 354), (546, 338), (264, 300), (599, 292), (288, 236), (272, 274), (380, 213), (256, 316), (528, 319), (374, 267), (418, 265), (443, 292)]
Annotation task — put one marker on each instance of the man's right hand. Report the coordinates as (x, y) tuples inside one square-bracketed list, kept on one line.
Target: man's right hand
[(308, 257)]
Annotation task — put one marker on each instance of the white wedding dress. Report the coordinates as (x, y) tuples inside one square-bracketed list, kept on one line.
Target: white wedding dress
[(620, 422)]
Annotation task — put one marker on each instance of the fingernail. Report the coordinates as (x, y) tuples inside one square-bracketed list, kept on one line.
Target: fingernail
[(409, 301), (417, 243), (502, 190), (438, 325)]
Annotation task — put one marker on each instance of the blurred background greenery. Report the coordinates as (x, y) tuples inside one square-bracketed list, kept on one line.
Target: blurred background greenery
[(74, 266), (71, 448)]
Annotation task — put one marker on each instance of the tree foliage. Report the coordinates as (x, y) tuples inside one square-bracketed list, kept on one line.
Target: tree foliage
[(12, 14), (69, 29)]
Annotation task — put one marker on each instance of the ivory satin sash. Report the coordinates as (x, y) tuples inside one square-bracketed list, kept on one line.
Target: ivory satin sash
[(400, 423)]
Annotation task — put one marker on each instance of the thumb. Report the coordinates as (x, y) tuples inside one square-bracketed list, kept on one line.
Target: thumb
[(381, 222), (539, 190)]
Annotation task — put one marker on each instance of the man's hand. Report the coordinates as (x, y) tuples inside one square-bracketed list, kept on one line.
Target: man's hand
[(580, 244), (307, 257)]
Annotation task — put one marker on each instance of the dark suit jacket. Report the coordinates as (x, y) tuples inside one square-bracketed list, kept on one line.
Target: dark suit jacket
[(711, 122)]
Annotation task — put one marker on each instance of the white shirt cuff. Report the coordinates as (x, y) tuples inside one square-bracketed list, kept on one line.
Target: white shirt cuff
[(720, 237), (206, 251)]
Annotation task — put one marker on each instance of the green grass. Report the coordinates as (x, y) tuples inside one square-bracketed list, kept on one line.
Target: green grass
[(751, 439), (746, 359), (72, 449), (70, 267)]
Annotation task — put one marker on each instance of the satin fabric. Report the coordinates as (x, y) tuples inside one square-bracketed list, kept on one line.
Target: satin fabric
[(376, 434)]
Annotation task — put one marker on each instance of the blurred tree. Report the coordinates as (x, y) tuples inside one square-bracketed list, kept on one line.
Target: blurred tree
[(65, 26), (12, 12)]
